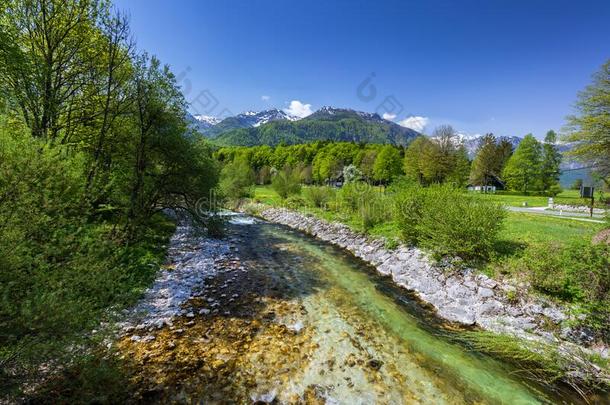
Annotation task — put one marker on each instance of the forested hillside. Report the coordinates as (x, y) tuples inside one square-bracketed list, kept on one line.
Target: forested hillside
[(93, 148), (330, 124)]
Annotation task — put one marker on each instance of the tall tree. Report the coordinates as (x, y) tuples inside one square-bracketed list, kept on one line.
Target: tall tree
[(387, 165), (485, 167), (461, 168), (523, 169), (413, 159), (589, 128), (50, 42), (551, 160)]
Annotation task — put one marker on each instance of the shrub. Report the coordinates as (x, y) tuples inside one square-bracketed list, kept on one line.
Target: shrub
[(457, 224), (448, 222), (408, 211), (318, 196), (286, 183), (236, 180), (578, 272), (373, 210), (295, 201), (352, 195)]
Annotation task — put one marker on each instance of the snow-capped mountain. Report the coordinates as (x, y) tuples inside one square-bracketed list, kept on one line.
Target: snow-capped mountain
[(213, 126), (207, 119)]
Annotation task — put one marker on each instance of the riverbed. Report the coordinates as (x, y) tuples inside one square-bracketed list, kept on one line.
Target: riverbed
[(277, 316)]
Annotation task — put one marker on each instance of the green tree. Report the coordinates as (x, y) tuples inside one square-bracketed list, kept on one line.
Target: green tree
[(286, 182), (413, 159), (551, 160), (387, 165), (487, 164), (589, 128), (461, 168), (236, 179), (523, 169)]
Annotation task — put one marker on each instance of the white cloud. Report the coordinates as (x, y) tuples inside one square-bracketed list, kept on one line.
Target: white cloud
[(298, 109), (265, 98), (415, 122), (388, 116)]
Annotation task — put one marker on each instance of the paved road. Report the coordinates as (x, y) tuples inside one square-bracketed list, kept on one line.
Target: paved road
[(561, 214)]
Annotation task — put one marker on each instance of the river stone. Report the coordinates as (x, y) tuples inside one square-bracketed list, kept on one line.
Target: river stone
[(457, 314), (491, 307), (485, 292)]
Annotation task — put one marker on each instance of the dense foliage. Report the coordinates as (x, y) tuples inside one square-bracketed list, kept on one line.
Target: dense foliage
[(578, 272), (446, 221), (93, 147), (590, 127)]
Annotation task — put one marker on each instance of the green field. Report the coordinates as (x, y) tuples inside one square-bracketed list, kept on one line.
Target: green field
[(519, 228), (568, 197)]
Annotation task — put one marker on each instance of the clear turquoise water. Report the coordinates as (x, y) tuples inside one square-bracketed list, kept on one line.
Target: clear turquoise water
[(358, 315)]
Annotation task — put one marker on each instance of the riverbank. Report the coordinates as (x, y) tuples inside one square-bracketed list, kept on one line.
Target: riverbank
[(269, 314), (461, 295)]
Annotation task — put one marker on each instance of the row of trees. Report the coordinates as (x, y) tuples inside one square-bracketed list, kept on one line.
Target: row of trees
[(427, 160), (532, 166)]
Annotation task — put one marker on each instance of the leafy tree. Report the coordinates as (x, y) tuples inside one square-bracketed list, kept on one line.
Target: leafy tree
[(504, 152), (413, 159), (387, 165), (523, 170), (551, 160), (286, 182), (461, 169), (236, 179), (485, 166), (490, 160), (589, 128)]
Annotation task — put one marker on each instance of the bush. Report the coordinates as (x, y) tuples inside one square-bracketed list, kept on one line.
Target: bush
[(352, 195), (447, 221), (236, 180), (578, 272), (295, 201), (59, 270), (373, 210), (318, 196), (408, 211), (286, 183)]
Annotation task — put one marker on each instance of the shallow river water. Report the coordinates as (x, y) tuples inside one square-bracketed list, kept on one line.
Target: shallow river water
[(294, 320)]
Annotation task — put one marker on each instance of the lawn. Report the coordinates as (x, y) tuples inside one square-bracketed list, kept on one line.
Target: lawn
[(532, 228), (569, 197)]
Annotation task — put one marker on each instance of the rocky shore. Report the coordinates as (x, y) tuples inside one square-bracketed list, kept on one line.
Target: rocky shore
[(457, 295)]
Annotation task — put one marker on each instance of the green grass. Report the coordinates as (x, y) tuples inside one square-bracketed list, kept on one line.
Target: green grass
[(266, 195), (568, 197), (519, 228), (532, 228)]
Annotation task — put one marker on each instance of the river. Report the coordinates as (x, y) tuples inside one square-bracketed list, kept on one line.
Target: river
[(291, 319)]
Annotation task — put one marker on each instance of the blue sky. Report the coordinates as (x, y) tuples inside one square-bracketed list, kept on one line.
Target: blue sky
[(507, 67)]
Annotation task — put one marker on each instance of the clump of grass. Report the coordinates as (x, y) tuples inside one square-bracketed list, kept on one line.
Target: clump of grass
[(541, 362)]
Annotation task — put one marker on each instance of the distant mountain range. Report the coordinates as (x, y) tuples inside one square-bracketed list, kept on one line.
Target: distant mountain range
[(272, 127)]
